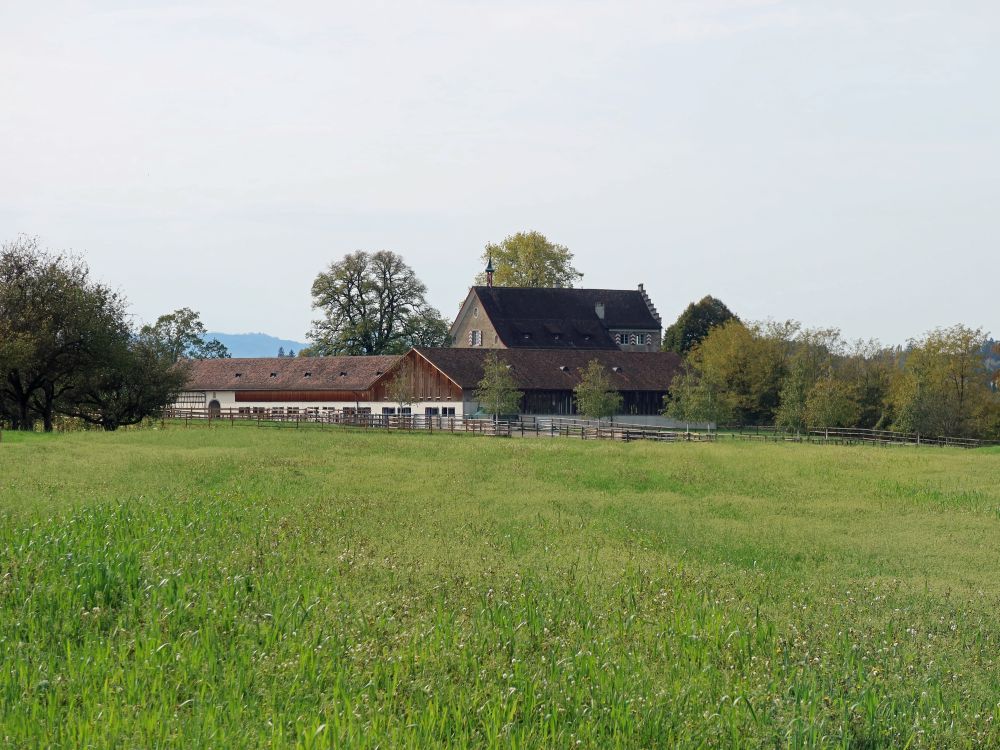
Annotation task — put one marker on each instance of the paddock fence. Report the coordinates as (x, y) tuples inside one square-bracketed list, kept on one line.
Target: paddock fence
[(848, 436), (503, 427)]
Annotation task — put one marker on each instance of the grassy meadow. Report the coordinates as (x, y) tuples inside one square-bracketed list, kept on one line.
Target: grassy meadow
[(246, 587)]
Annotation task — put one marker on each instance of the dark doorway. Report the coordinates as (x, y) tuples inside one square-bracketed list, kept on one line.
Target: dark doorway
[(214, 409)]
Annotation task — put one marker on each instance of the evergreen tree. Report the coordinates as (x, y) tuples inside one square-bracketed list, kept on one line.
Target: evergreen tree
[(693, 325)]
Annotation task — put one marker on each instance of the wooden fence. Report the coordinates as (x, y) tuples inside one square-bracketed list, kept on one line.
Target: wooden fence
[(850, 436), (524, 427), (557, 427)]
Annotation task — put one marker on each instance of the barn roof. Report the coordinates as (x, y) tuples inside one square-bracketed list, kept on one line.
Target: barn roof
[(558, 369), (288, 373), (546, 317)]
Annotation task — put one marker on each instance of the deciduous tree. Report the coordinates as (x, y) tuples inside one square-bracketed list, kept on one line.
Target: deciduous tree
[(182, 334), (596, 396), (943, 388), (738, 370), (401, 388), (371, 303), (530, 259), (136, 378), (497, 390), (57, 323)]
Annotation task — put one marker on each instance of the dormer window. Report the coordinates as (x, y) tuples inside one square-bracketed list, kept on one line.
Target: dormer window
[(274, 374), (563, 368), (239, 374), (616, 368), (308, 375), (343, 373)]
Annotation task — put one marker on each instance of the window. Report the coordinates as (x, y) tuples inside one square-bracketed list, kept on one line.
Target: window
[(293, 410), (239, 375), (274, 374), (475, 338), (406, 410), (276, 410), (475, 311), (447, 411), (308, 375), (243, 410), (388, 410), (431, 411)]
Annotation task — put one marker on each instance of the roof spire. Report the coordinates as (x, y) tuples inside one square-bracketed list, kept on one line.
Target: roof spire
[(489, 272)]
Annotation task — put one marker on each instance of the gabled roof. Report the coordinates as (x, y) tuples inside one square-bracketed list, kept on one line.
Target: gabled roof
[(289, 373), (545, 317), (543, 369)]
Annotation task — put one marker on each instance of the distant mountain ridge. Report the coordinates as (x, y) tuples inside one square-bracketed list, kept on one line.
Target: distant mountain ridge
[(255, 344)]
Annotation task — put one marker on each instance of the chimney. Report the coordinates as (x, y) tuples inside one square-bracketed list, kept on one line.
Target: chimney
[(599, 309)]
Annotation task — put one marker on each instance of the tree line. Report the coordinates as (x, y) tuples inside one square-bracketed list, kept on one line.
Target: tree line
[(68, 347), (785, 374)]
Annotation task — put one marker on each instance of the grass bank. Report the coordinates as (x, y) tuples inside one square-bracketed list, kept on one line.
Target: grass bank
[(248, 587)]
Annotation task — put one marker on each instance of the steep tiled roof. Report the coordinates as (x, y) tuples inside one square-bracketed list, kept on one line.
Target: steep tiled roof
[(559, 369), (545, 318), (287, 373)]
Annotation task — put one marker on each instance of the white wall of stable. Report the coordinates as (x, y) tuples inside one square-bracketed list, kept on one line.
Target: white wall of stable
[(227, 400)]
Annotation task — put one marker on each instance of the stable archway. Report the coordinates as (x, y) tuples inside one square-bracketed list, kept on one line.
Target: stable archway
[(214, 409)]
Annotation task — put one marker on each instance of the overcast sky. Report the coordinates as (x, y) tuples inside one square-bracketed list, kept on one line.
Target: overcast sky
[(833, 162)]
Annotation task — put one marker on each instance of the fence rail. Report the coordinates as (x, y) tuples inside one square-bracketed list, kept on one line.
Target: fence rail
[(521, 427), (559, 427), (850, 436)]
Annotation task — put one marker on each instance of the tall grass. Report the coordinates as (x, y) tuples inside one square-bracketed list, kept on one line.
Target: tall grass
[(242, 588)]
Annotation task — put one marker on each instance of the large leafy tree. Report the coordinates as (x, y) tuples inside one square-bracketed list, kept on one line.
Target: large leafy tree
[(734, 374), (373, 303), (693, 325), (67, 347), (136, 378), (529, 259), (182, 334), (596, 396), (943, 387), (497, 391), (56, 323), (812, 354)]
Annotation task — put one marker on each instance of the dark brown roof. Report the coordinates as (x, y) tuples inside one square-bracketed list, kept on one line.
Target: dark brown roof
[(547, 318), (541, 369), (255, 374)]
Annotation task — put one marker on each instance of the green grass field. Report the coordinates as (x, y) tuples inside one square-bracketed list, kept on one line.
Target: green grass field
[(246, 587)]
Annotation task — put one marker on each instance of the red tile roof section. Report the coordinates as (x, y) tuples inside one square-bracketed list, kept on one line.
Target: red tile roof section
[(254, 374), (541, 369)]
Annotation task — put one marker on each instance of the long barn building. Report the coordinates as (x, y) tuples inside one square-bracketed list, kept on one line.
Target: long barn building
[(438, 382)]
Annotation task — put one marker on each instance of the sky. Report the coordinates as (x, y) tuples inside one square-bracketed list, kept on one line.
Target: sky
[(833, 162)]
